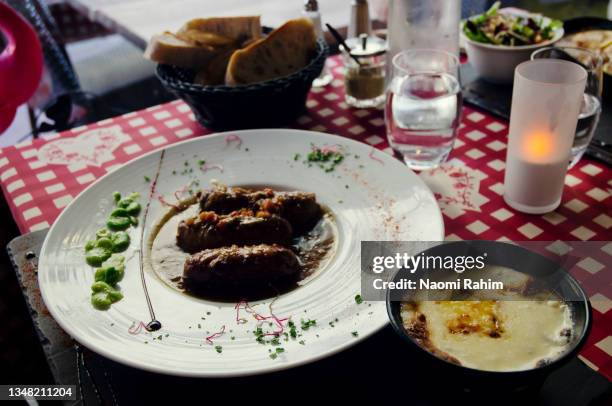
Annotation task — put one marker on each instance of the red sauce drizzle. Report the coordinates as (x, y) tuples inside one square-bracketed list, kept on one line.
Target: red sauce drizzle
[(211, 337), (137, 328), (166, 203), (326, 149), (233, 138), (260, 318), (206, 167), (374, 158)]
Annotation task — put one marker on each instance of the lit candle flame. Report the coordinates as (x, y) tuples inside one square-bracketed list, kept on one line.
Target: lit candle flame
[(538, 146)]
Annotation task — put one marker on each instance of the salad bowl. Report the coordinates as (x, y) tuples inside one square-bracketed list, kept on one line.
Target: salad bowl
[(497, 41)]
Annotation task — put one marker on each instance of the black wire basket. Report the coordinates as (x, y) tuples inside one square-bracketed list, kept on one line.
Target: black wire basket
[(273, 103)]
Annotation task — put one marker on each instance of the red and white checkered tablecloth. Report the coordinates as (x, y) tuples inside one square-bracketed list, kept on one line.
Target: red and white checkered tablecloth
[(37, 190)]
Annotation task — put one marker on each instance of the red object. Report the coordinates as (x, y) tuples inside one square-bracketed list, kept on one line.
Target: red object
[(21, 63), (37, 191)]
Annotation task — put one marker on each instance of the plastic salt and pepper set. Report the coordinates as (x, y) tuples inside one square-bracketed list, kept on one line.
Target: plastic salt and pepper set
[(545, 103)]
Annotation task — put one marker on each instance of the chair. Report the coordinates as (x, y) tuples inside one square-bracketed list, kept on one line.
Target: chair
[(81, 72)]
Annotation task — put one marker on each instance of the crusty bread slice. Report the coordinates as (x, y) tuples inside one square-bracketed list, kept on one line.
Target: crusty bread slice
[(169, 49), (286, 50), (214, 72), (237, 28), (201, 38)]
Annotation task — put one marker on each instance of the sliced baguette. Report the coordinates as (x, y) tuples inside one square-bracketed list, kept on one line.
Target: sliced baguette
[(236, 28), (214, 72), (207, 39), (169, 49), (286, 50)]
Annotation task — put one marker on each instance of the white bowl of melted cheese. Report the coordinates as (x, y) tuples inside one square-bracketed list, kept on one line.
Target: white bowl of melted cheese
[(490, 335), (510, 336)]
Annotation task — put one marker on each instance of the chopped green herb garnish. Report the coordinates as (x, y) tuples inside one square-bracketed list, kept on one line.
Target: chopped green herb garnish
[(355, 334), (358, 299), (147, 179), (306, 324), (326, 159), (259, 335), (219, 349)]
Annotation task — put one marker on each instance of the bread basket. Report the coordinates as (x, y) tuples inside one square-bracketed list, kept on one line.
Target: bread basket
[(273, 103)]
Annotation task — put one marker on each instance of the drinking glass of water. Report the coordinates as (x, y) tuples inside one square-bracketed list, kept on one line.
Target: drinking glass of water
[(423, 106), (591, 102)]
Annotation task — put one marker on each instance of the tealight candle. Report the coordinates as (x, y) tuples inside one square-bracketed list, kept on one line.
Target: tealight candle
[(546, 101)]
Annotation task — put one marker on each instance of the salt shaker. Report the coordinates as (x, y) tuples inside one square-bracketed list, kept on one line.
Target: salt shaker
[(311, 11)]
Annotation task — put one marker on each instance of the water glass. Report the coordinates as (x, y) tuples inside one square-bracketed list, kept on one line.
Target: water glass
[(420, 24), (423, 106), (591, 103)]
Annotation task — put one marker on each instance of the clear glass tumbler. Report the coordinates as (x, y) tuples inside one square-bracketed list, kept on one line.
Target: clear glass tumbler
[(423, 106), (419, 24), (591, 102)]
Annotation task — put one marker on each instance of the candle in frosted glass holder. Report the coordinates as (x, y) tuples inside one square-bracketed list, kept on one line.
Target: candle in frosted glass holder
[(546, 101)]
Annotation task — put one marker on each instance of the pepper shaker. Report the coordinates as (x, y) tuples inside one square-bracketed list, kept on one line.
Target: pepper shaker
[(360, 19)]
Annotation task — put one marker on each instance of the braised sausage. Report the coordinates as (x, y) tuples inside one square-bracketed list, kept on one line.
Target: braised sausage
[(244, 227)]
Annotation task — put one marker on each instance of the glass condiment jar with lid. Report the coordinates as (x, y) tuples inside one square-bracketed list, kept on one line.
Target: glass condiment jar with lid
[(364, 78)]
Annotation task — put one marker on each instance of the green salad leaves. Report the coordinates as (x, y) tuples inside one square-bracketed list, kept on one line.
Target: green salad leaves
[(499, 28)]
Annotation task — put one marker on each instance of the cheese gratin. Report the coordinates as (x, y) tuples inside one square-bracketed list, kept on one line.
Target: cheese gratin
[(491, 335)]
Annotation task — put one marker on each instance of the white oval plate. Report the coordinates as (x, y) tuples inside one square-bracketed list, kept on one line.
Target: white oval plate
[(372, 195)]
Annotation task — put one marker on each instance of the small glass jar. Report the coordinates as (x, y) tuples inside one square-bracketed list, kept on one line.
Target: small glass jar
[(364, 82)]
